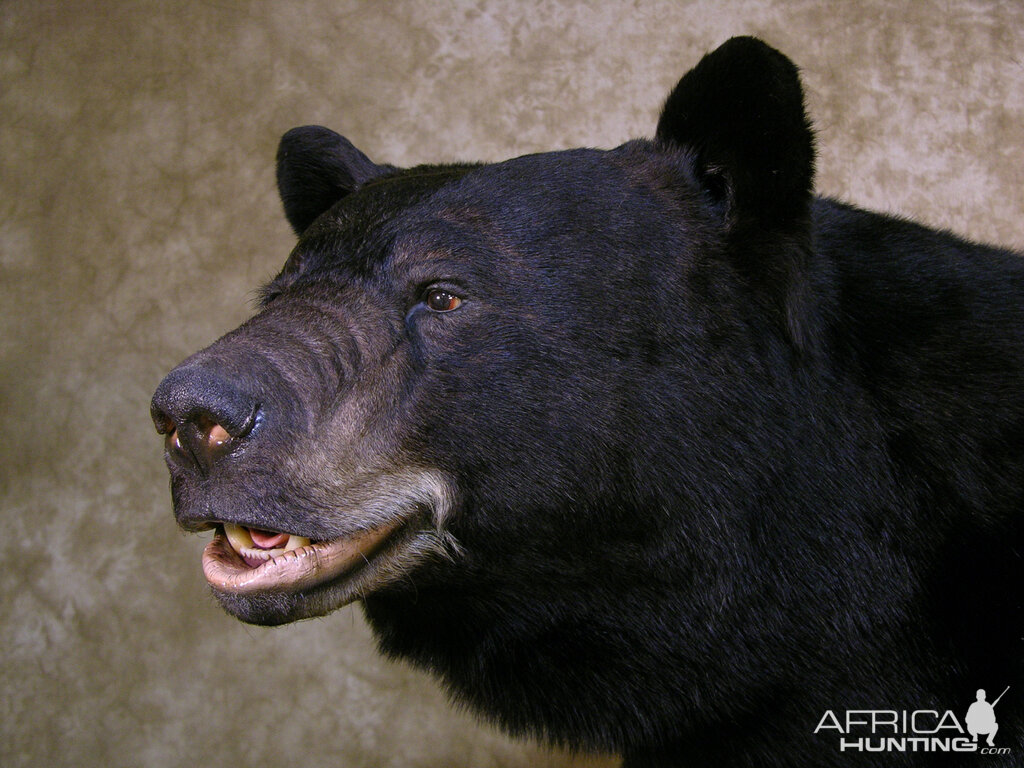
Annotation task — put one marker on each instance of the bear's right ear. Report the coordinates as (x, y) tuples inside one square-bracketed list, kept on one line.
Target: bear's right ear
[(316, 167)]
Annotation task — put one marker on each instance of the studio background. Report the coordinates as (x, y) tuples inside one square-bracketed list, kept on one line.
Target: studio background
[(138, 214)]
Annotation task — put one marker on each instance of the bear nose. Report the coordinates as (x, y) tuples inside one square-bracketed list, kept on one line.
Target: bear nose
[(202, 413)]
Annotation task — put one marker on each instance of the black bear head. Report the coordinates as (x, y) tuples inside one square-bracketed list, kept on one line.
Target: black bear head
[(588, 434), (461, 376)]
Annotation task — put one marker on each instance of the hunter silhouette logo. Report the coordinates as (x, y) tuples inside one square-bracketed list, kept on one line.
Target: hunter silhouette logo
[(919, 730), (981, 717)]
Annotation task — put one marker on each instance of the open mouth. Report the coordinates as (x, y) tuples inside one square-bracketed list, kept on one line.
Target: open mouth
[(245, 560)]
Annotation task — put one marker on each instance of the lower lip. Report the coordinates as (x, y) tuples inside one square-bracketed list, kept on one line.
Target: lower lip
[(292, 571)]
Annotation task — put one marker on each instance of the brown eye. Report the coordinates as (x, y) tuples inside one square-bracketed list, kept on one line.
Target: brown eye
[(440, 300)]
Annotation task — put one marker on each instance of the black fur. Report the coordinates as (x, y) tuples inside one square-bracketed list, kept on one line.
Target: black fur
[(725, 456)]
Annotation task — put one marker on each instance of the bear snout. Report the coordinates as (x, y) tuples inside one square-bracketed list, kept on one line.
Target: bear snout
[(202, 413)]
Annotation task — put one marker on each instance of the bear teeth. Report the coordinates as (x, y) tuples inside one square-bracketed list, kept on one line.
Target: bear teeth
[(240, 539)]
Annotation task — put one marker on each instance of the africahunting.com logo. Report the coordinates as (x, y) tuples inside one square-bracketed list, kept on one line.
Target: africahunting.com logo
[(920, 730)]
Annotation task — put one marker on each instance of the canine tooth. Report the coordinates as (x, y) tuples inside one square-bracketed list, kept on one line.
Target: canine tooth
[(294, 542), (238, 537)]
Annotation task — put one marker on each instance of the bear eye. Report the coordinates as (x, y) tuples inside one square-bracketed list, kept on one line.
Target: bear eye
[(441, 300)]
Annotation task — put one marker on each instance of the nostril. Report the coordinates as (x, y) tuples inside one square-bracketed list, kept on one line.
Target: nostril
[(165, 426), (199, 439), (217, 436), (212, 434), (223, 427)]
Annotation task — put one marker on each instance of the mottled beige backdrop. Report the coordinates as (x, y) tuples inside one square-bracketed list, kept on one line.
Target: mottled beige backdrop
[(138, 214)]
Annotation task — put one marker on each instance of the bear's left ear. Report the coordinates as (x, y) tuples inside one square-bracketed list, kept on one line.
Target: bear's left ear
[(316, 167), (741, 111), (739, 116)]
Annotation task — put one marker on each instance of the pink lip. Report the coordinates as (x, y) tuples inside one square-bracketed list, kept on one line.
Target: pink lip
[(294, 570)]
